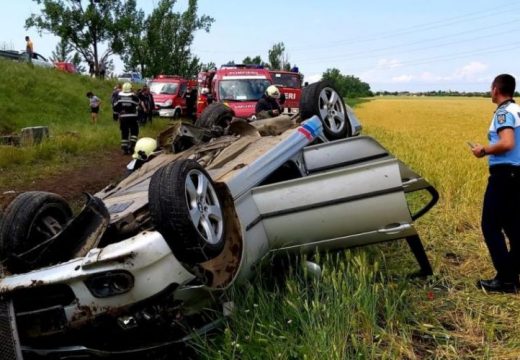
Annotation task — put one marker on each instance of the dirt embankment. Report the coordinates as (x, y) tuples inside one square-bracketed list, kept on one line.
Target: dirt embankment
[(91, 176)]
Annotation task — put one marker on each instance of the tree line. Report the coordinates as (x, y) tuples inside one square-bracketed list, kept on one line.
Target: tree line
[(151, 44), (157, 43)]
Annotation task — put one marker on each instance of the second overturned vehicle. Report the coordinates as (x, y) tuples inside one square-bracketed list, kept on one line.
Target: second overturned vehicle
[(135, 268)]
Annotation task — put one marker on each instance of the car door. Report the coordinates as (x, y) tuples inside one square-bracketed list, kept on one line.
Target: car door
[(181, 98), (353, 194)]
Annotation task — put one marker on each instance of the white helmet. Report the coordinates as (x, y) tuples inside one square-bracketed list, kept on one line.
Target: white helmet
[(127, 87), (144, 147), (273, 92)]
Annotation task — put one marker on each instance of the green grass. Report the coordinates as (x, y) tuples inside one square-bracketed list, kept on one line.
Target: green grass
[(364, 306), (351, 311), (34, 96)]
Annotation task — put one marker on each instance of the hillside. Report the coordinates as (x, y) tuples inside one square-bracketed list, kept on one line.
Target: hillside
[(76, 150), (38, 96)]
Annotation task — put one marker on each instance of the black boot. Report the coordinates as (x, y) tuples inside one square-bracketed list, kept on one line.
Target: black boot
[(499, 285)]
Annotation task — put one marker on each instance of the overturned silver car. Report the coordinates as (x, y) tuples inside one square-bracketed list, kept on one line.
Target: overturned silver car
[(134, 270)]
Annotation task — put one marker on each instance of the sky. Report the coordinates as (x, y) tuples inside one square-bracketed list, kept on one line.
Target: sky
[(399, 45)]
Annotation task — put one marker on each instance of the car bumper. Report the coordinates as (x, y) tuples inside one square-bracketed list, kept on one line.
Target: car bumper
[(167, 112), (146, 257)]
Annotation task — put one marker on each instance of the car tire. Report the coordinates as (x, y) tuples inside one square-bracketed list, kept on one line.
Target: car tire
[(186, 209), (30, 219), (323, 100), (215, 115)]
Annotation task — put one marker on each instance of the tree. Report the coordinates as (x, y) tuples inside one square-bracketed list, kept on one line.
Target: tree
[(257, 60), (84, 27), (62, 52), (209, 66), (278, 58), (347, 85), (76, 60), (132, 33), (168, 39)]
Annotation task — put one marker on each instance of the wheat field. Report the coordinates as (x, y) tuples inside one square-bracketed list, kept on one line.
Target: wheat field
[(364, 306), (431, 135)]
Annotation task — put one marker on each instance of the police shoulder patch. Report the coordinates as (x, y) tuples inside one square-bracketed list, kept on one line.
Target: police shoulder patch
[(501, 118)]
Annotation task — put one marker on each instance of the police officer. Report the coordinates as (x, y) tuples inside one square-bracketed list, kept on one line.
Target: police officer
[(501, 209), (268, 105), (127, 106)]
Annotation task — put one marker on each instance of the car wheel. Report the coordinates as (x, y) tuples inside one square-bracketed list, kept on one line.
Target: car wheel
[(177, 114), (30, 219), (187, 211), (323, 100), (216, 115)]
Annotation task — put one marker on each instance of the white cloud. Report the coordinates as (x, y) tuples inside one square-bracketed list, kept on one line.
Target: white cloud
[(471, 70), (427, 76), (384, 72)]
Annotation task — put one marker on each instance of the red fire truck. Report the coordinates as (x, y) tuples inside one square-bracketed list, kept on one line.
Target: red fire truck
[(239, 87), (174, 96)]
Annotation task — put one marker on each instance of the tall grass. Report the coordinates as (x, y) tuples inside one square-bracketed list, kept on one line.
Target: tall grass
[(364, 306)]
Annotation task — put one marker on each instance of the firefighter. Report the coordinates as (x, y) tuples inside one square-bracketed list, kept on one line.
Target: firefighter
[(127, 106), (268, 105)]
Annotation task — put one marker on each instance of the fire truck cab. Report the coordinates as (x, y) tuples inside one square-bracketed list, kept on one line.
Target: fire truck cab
[(173, 95), (237, 86)]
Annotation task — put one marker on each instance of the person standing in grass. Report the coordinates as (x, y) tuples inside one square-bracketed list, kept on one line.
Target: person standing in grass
[(29, 49), (94, 106), (501, 209)]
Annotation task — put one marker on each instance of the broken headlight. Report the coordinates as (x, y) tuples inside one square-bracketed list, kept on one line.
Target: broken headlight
[(110, 283)]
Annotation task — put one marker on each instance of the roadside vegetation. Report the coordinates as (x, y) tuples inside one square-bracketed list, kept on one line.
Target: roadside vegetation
[(364, 306), (33, 96)]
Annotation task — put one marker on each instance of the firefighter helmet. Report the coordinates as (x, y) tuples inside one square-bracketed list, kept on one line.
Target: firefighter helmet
[(144, 148), (127, 87), (273, 92)]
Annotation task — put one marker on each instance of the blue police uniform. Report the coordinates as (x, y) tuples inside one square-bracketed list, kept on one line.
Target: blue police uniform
[(501, 209)]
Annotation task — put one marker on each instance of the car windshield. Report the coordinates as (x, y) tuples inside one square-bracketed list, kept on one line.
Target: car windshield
[(242, 89), (287, 80), (163, 88)]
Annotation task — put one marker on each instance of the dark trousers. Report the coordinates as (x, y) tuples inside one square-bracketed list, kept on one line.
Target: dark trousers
[(129, 132), (501, 215)]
